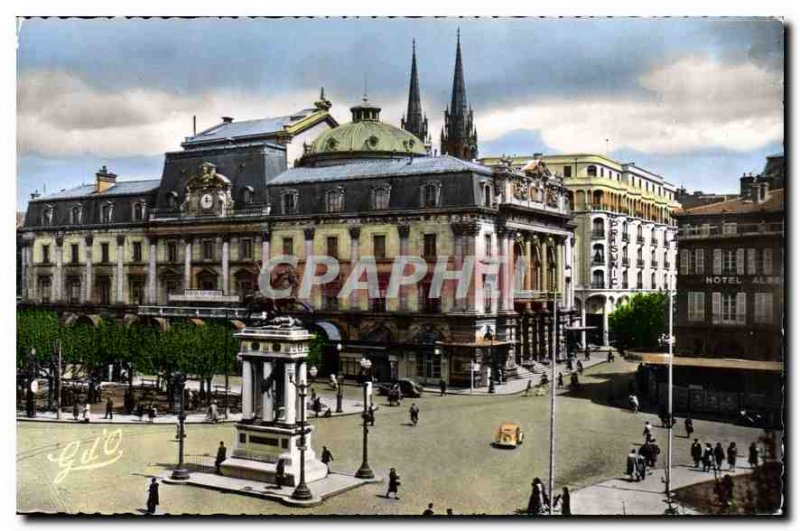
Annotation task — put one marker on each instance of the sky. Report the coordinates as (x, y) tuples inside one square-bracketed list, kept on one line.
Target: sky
[(698, 101)]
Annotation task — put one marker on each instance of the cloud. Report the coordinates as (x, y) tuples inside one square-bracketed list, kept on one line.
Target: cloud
[(692, 103), (60, 114)]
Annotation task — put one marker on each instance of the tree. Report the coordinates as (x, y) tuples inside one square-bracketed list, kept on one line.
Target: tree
[(641, 323)]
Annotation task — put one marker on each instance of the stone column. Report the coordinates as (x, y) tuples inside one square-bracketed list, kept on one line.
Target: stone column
[(606, 311), (24, 271), (267, 403), (289, 393), (308, 235), (266, 236), (32, 292), (529, 264), (583, 322), (187, 267), (226, 239), (152, 272), (89, 280), (58, 281), (560, 270), (119, 295), (458, 264), (403, 231), (506, 276), (355, 234), (544, 267), (470, 235), (247, 390)]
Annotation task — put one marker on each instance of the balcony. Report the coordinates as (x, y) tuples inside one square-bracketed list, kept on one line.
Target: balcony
[(626, 238), (639, 285), (667, 265), (249, 211), (639, 263), (194, 312), (599, 260), (626, 261), (598, 234), (598, 285), (640, 239)]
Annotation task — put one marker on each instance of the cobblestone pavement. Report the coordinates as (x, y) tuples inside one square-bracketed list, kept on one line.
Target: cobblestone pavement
[(448, 459)]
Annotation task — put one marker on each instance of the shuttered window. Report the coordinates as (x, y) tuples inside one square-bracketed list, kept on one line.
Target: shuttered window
[(751, 261), (717, 261), (697, 306), (684, 262), (716, 307), (767, 261), (741, 308), (763, 307), (740, 261), (700, 255)]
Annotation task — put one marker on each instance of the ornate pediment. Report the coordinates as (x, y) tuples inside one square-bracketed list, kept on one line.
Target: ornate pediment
[(208, 192)]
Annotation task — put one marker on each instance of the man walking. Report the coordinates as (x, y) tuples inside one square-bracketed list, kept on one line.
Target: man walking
[(587, 354), (442, 387), (708, 458), (689, 427), (222, 455), (732, 450), (428, 511), (413, 412), (109, 409), (394, 482), (697, 453), (631, 467), (719, 458), (326, 457), (580, 367), (648, 431), (752, 458), (152, 496), (280, 473), (528, 388), (560, 380), (634, 403)]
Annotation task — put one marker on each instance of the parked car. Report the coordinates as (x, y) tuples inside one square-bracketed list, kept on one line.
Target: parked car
[(407, 387), (509, 435)]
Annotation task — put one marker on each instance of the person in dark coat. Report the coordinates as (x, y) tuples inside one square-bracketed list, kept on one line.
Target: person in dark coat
[(732, 451), (647, 433), (752, 457), (428, 511), (538, 500), (566, 509), (413, 412), (394, 482), (280, 473), (719, 456), (75, 410), (689, 427), (587, 354), (109, 409), (560, 380), (655, 451), (708, 458), (152, 496), (697, 453), (222, 455), (641, 466), (630, 466), (580, 367), (326, 457), (528, 388), (442, 387), (371, 415)]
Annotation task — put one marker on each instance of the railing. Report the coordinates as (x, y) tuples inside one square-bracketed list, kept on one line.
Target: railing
[(640, 239), (639, 285), (196, 312), (639, 263), (599, 260), (626, 261), (598, 234), (247, 211), (200, 295), (626, 237), (700, 231), (598, 285)]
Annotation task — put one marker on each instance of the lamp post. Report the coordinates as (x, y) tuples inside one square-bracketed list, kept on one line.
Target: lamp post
[(490, 337), (364, 471), (30, 397), (339, 386), (302, 492), (180, 472), (669, 404)]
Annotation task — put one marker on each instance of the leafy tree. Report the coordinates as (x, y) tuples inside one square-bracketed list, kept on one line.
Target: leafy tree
[(641, 323)]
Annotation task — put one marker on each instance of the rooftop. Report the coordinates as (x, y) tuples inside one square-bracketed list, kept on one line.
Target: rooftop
[(248, 128), (119, 188), (774, 203)]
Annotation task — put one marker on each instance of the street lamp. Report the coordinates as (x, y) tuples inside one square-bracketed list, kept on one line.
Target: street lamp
[(180, 472), (302, 492), (364, 471), (30, 402), (490, 337), (339, 386)]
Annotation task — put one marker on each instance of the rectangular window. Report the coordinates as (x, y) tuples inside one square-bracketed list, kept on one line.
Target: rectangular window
[(740, 261), (288, 246), (697, 306), (246, 248), (767, 264), (137, 251), (728, 262), (728, 308), (684, 257), (696, 261), (74, 291), (74, 253), (567, 171), (172, 252), (751, 261), (332, 246), (289, 203), (104, 256), (429, 246), (379, 246), (729, 228), (763, 307), (717, 261), (45, 254), (487, 241), (137, 292), (208, 249)]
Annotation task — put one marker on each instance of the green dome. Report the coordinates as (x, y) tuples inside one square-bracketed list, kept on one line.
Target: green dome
[(366, 136)]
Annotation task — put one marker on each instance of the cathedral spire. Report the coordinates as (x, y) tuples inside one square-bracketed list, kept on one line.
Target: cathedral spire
[(459, 136), (414, 121)]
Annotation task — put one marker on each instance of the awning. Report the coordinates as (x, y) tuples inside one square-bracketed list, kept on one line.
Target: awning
[(712, 363)]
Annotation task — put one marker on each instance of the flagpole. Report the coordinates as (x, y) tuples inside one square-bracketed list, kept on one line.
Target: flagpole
[(553, 401)]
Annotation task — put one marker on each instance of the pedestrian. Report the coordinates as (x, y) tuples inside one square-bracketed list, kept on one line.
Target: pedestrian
[(394, 482), (538, 500), (566, 509), (528, 388), (442, 387), (222, 455), (313, 395), (697, 453), (569, 363), (560, 383), (214, 413), (139, 411), (634, 403), (708, 458), (413, 412), (719, 456), (647, 433), (752, 458), (587, 353), (151, 413), (631, 467), (544, 380), (610, 356), (280, 473), (580, 367), (87, 412), (573, 381), (641, 465), (326, 457), (732, 456), (655, 451), (152, 496), (333, 383), (75, 411), (371, 415), (689, 427), (109, 409), (428, 511)]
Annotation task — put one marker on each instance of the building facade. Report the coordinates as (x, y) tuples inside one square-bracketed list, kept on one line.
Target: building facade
[(624, 235)]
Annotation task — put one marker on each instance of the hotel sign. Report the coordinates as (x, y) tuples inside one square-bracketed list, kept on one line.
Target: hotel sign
[(738, 280)]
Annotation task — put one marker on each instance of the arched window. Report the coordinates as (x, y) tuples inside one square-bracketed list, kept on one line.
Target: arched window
[(625, 279), (591, 171), (598, 255), (76, 215), (487, 195), (107, 212), (172, 199), (430, 193), (653, 281), (380, 197), (334, 200), (247, 195), (138, 211), (598, 228), (598, 279), (639, 280), (47, 215), (289, 202)]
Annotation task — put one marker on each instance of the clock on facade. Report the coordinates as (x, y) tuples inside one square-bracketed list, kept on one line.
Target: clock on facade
[(206, 201)]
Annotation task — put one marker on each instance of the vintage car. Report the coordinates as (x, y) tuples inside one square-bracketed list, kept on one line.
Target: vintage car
[(407, 387), (509, 435)]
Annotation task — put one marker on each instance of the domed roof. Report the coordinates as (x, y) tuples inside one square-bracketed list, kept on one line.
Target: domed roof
[(365, 137)]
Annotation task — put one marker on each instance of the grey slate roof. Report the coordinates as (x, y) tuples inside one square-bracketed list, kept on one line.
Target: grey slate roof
[(378, 169), (247, 128), (120, 188)]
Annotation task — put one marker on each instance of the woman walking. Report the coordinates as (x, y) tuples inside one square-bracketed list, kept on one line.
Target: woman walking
[(538, 500), (732, 456), (394, 482), (752, 458)]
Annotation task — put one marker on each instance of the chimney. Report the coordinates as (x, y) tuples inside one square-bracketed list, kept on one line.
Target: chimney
[(227, 119), (745, 184), (104, 180)]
